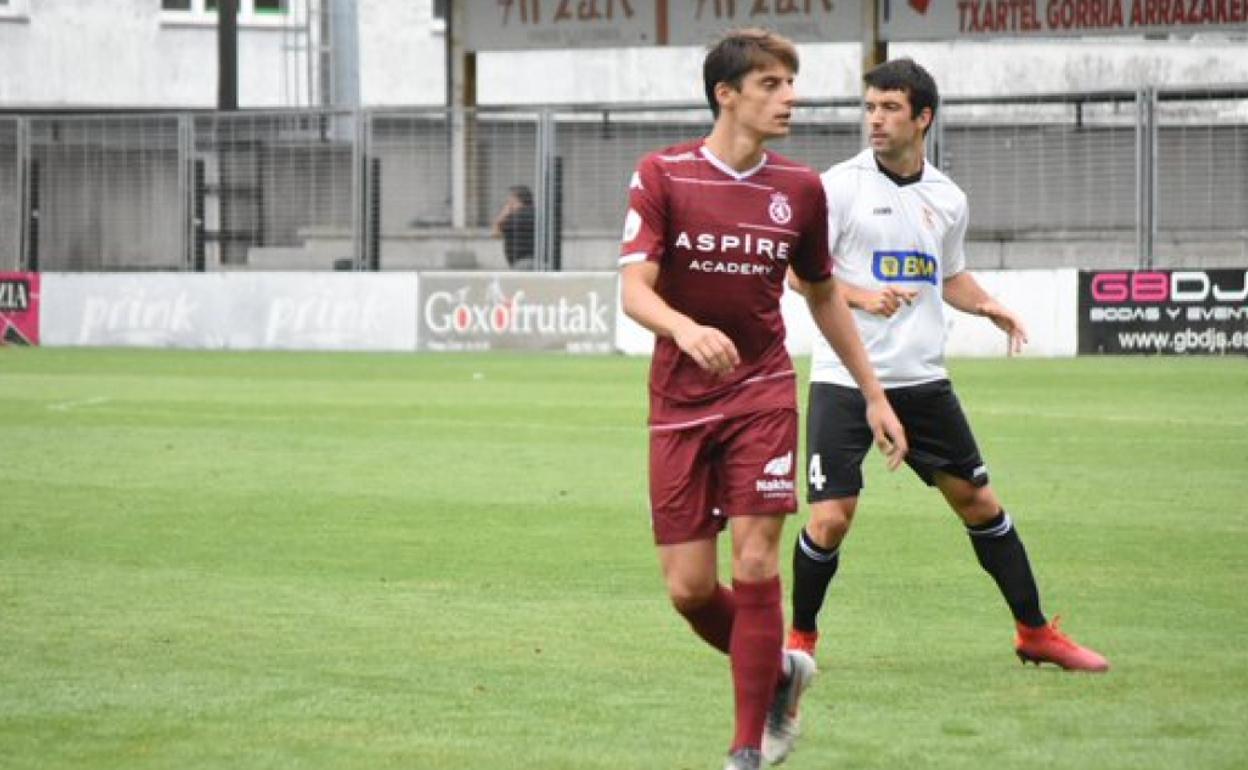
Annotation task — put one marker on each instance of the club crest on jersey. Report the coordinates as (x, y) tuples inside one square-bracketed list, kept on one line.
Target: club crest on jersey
[(780, 211)]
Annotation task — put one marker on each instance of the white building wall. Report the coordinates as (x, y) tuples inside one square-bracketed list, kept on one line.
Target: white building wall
[(76, 53), (126, 53), (402, 54)]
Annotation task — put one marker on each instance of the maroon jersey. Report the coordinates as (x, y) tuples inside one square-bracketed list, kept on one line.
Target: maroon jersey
[(722, 240)]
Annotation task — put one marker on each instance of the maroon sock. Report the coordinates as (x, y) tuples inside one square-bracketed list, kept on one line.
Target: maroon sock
[(757, 640), (713, 620)]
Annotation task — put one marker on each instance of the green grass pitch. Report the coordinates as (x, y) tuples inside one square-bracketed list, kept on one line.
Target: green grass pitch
[(226, 560)]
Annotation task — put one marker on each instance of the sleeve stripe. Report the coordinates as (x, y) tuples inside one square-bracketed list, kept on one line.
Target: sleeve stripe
[(629, 259)]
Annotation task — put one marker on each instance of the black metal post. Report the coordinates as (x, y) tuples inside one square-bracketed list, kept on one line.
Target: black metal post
[(32, 242), (199, 191), (373, 202), (556, 216), (227, 55)]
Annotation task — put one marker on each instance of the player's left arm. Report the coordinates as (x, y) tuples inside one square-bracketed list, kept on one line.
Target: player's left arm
[(831, 315), (811, 275), (963, 292)]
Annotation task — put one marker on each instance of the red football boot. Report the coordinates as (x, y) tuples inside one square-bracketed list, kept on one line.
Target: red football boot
[(806, 641), (1047, 644)]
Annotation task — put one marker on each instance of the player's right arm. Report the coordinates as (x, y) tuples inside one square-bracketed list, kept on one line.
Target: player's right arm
[(884, 302), (710, 348), (641, 256)]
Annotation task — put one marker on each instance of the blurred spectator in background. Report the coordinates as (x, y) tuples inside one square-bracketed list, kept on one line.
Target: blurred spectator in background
[(515, 224)]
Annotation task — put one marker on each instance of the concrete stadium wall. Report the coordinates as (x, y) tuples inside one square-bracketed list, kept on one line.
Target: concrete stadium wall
[(350, 311)]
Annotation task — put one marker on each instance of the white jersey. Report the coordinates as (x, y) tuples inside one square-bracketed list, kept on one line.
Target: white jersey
[(909, 235)]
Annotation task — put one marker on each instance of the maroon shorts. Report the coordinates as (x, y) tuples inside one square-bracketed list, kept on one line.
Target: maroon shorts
[(705, 473)]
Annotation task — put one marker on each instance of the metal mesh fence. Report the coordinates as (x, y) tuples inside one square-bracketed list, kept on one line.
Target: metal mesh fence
[(600, 149), (414, 155), (1201, 190), (1049, 181), (266, 183), (824, 134), (1091, 180), (416, 207), (104, 193), (10, 196), (505, 156)]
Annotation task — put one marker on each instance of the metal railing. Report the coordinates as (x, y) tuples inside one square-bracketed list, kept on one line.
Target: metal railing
[(1113, 179)]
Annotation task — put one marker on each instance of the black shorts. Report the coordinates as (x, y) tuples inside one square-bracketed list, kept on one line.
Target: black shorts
[(838, 437)]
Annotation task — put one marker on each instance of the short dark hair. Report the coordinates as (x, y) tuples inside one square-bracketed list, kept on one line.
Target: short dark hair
[(523, 193), (906, 75), (740, 52)]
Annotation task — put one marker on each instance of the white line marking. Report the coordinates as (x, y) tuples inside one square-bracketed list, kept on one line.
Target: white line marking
[(65, 406)]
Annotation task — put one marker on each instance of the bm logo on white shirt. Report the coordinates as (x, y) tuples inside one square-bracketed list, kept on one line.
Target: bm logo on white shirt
[(904, 266)]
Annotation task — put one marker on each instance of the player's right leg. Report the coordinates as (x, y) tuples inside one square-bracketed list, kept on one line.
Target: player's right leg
[(690, 572), (837, 439), (683, 484), (816, 558)]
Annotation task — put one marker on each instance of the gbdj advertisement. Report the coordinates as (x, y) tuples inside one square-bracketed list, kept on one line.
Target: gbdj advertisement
[(1164, 312)]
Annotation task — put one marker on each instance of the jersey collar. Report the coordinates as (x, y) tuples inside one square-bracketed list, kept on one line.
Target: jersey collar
[(900, 181), (714, 160)]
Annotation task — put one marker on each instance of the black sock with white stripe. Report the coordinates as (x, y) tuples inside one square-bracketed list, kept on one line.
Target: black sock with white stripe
[(813, 570), (1002, 555)]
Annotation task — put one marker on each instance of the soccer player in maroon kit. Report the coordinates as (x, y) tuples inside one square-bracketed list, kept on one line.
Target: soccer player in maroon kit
[(712, 226)]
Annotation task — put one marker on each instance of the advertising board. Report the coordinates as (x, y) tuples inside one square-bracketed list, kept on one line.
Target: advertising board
[(572, 312), (19, 308), (1163, 312)]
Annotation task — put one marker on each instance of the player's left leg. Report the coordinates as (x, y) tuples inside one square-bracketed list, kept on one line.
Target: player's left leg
[(997, 545), (758, 629), (783, 723), (683, 487), (1001, 553), (759, 491), (944, 453), (837, 439), (764, 674)]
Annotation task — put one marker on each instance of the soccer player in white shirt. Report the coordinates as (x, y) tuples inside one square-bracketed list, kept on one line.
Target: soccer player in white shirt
[(896, 226)]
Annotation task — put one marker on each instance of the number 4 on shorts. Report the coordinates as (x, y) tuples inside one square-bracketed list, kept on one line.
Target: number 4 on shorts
[(815, 473)]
